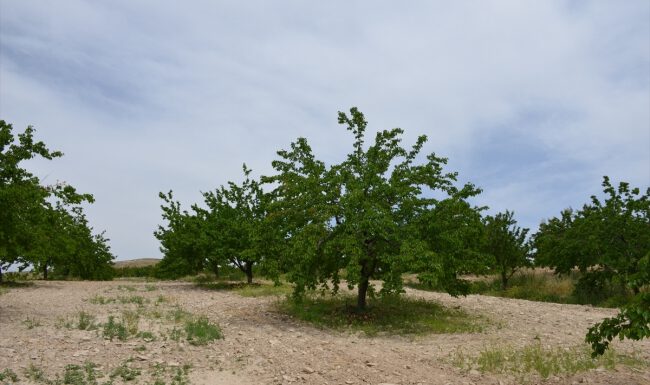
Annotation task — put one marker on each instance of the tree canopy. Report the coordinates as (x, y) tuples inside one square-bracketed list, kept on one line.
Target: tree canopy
[(368, 215), (507, 245), (44, 226), (609, 242)]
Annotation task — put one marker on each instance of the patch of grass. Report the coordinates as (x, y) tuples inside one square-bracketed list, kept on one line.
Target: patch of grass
[(247, 290), (181, 377), (146, 336), (125, 372), (150, 287), (161, 299), (389, 315), (8, 374), (31, 323), (81, 375), (131, 320), (113, 329), (35, 373), (544, 362), (126, 288), (175, 334), (101, 300), (178, 315), (200, 331), (136, 299), (86, 321), (264, 290)]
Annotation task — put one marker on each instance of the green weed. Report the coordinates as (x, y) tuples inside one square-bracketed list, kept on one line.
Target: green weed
[(101, 300), (536, 359), (126, 288), (31, 323), (8, 374), (131, 320), (150, 287), (86, 321), (146, 336), (125, 372), (201, 331), (113, 329), (35, 373), (136, 299)]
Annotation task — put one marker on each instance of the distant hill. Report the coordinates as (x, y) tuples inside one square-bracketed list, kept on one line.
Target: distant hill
[(142, 262)]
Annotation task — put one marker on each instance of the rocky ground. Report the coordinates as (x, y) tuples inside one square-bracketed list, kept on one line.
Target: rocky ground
[(40, 337)]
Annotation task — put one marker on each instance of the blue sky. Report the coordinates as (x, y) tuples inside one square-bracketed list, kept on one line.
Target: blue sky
[(534, 101)]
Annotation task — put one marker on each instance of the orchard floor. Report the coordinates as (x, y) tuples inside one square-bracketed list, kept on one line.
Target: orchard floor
[(261, 346)]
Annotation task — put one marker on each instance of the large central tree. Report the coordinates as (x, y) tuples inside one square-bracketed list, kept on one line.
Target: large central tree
[(363, 216)]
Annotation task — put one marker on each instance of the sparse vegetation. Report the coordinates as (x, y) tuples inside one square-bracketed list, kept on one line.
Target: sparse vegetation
[(388, 315), (200, 331), (248, 290), (8, 375), (113, 329), (538, 360), (86, 321), (34, 373), (101, 300), (31, 323), (125, 372)]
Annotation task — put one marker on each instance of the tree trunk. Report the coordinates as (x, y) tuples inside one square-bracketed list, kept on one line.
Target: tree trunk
[(361, 295), (0, 274), (249, 273), (45, 272), (504, 280)]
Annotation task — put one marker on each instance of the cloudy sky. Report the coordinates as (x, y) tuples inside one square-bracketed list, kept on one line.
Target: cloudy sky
[(534, 101)]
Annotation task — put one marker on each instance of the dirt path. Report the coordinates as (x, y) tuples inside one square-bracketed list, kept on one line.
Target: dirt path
[(262, 346)]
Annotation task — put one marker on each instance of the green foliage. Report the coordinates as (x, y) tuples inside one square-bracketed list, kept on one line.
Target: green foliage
[(234, 230), (604, 239), (200, 331), (238, 225), (386, 315), (632, 322), (44, 226), (506, 243), (610, 243), (371, 215), (184, 242), (139, 272)]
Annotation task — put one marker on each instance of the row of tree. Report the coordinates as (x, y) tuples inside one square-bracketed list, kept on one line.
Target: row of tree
[(385, 210), (44, 227)]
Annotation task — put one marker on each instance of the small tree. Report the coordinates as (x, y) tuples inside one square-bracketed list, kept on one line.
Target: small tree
[(605, 239), (506, 243), (238, 226), (360, 216), (185, 242), (39, 225)]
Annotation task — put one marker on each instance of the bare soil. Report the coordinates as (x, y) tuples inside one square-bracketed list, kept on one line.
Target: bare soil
[(262, 346)]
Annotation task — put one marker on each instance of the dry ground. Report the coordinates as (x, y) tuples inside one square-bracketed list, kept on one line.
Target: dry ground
[(262, 346)]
